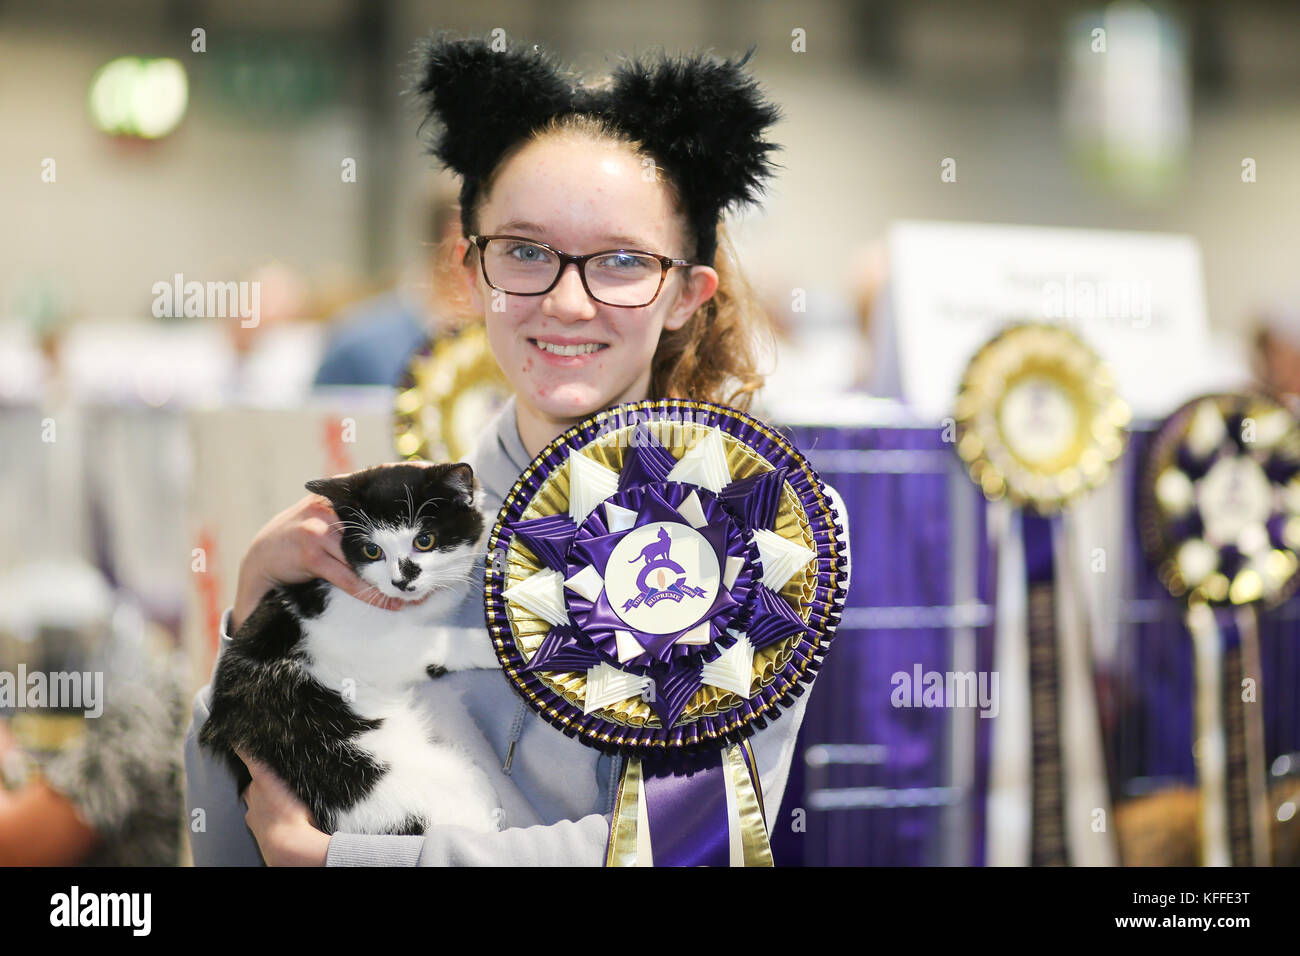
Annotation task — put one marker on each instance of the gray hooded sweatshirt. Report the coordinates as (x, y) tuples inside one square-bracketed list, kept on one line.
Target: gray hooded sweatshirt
[(557, 795)]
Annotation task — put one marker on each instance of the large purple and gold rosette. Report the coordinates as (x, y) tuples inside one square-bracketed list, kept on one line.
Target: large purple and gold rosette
[(664, 578)]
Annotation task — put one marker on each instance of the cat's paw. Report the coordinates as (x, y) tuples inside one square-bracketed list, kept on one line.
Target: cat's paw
[(460, 649), (490, 820)]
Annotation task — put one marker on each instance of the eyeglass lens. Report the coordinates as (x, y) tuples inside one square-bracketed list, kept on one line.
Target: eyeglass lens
[(618, 278)]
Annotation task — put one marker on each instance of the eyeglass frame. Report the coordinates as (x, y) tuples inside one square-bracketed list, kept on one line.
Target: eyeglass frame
[(665, 263)]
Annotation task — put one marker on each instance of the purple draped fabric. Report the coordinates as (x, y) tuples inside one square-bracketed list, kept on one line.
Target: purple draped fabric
[(900, 544), (1152, 717), (900, 540)]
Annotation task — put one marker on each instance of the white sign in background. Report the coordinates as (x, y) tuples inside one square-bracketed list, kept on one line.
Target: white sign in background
[(1137, 298)]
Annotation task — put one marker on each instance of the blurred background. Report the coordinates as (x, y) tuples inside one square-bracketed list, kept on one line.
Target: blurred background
[(267, 147)]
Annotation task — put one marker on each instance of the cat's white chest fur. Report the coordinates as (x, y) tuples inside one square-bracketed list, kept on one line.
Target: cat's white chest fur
[(376, 659)]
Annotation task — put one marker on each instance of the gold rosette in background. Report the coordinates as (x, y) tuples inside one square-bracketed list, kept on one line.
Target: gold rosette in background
[(450, 391), (1038, 418), (1039, 423)]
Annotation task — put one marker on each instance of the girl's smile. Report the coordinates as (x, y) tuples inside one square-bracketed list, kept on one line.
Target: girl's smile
[(567, 351)]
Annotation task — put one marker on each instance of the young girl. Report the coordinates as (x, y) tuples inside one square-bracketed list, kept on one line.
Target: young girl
[(576, 182)]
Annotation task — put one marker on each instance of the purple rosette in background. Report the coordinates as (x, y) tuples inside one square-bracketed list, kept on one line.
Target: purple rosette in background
[(1219, 509)]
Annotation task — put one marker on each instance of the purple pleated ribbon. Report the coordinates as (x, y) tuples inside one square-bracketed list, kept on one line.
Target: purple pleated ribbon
[(686, 806)]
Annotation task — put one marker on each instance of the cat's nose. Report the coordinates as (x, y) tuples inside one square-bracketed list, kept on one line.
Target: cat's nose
[(402, 585)]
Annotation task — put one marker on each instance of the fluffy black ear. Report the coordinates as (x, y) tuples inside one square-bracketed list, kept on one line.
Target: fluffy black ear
[(478, 97), (459, 480), (704, 119)]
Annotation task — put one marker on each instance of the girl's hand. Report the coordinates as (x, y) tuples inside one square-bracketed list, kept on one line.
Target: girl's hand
[(282, 824), (300, 543)]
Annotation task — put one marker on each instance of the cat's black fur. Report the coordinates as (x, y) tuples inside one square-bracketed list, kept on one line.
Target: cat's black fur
[(264, 699)]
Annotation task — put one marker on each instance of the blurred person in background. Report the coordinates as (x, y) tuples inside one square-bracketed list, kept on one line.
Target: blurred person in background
[(372, 342), (868, 273), (273, 354), (1277, 349)]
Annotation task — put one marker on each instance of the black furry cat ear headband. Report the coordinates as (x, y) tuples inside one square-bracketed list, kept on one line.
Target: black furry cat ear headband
[(701, 119)]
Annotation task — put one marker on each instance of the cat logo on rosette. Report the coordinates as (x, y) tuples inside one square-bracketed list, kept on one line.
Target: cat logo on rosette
[(639, 600)]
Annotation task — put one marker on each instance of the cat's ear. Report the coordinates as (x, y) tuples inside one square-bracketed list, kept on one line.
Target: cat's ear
[(335, 489), (459, 478)]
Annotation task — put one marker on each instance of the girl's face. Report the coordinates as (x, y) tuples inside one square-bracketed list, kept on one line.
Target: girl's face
[(581, 196)]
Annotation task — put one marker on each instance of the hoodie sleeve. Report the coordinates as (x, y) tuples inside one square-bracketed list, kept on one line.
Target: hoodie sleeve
[(213, 811), (566, 843)]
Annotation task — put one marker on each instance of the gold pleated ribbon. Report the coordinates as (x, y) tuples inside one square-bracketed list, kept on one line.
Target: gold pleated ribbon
[(630, 842)]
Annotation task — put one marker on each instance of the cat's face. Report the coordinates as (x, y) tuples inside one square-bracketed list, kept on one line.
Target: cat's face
[(409, 528)]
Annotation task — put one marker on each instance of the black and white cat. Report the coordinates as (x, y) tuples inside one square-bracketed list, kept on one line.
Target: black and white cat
[(320, 685)]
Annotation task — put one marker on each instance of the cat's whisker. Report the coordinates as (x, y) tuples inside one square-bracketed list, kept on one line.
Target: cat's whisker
[(447, 580)]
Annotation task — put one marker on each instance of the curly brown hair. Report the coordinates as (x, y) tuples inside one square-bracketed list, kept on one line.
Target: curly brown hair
[(714, 356)]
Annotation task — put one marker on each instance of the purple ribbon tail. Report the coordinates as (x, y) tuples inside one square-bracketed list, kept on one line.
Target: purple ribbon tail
[(1229, 632), (686, 808), (1040, 563)]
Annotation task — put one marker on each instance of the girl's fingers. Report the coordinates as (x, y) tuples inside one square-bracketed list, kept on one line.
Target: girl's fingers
[(263, 776), (255, 769), (341, 576), (334, 548)]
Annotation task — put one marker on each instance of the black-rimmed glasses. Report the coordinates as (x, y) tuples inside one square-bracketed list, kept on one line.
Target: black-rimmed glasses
[(626, 278)]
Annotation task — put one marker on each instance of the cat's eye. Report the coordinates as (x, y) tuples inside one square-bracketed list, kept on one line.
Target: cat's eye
[(372, 551), (424, 542)]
